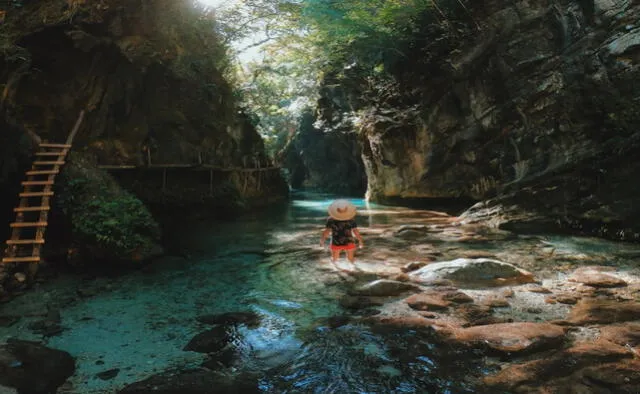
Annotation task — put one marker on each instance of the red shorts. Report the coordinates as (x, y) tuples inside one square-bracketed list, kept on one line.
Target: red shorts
[(343, 247)]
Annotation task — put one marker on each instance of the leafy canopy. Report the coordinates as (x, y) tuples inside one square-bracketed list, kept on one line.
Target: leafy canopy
[(294, 43)]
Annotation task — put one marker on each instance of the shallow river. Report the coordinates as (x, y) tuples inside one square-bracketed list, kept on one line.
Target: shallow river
[(268, 263)]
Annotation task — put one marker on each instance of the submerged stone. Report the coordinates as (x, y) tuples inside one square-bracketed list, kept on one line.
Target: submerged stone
[(210, 341), (222, 359), (108, 374), (33, 368)]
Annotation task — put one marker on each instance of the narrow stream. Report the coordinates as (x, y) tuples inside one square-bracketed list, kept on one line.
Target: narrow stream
[(267, 263)]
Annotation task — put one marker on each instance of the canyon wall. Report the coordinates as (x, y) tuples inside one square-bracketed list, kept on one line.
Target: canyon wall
[(532, 107)]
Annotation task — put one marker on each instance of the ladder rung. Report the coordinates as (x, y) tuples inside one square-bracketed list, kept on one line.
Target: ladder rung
[(32, 209), (63, 146), (37, 183), (48, 172), (25, 241), (36, 194), (28, 224), (48, 163), (48, 153), (31, 259)]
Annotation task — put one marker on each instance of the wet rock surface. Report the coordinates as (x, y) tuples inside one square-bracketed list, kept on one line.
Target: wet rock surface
[(532, 304), (30, 367), (597, 277), (211, 341), (511, 338), (471, 271)]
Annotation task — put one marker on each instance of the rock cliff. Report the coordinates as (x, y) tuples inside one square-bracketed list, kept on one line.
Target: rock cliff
[(530, 105), (327, 161), (149, 73)]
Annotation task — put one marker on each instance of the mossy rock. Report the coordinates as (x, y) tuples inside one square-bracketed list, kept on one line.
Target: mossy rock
[(107, 223)]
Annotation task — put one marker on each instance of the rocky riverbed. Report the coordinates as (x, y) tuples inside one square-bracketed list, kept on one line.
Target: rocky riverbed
[(431, 304)]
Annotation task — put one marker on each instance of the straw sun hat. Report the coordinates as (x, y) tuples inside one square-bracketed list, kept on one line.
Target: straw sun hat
[(342, 210)]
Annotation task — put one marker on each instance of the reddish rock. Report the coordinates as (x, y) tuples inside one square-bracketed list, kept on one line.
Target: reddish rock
[(539, 289), (495, 302), (622, 377), (414, 265), (400, 321), (508, 293), (455, 296), (438, 298), (622, 334), (425, 301), (401, 277), (476, 315), (550, 300), (521, 377), (594, 277), (521, 337), (567, 299), (603, 311)]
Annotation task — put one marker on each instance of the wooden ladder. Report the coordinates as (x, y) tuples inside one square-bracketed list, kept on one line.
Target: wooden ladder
[(32, 213)]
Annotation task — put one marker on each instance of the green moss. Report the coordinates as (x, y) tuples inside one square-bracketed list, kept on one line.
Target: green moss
[(107, 223)]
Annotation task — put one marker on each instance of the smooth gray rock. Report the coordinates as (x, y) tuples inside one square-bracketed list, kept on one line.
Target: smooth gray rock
[(469, 271)]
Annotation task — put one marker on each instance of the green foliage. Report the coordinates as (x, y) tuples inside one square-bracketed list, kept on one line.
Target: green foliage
[(121, 224), (192, 33), (277, 91), (302, 42), (109, 222), (363, 30)]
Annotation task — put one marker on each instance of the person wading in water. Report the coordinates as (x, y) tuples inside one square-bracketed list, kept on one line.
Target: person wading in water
[(342, 227)]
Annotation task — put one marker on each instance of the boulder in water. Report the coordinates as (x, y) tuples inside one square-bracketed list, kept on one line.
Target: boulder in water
[(33, 368), (210, 341), (472, 271)]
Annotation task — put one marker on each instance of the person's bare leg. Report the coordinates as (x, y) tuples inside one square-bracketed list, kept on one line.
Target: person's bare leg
[(351, 255), (335, 255)]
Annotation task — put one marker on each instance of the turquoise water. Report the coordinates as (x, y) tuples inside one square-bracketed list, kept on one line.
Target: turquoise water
[(268, 263)]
